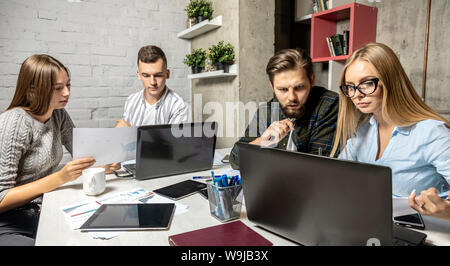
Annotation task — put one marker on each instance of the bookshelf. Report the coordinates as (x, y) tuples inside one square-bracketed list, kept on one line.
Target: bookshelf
[(363, 29), (360, 20)]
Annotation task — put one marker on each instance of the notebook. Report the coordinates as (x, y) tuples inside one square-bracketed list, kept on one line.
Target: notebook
[(229, 234)]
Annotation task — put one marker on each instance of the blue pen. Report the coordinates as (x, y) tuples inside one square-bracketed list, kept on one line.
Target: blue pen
[(212, 176), (224, 181), (218, 181), (201, 177), (233, 181)]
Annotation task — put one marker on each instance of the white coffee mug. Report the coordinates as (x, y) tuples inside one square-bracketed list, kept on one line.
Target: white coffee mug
[(94, 181)]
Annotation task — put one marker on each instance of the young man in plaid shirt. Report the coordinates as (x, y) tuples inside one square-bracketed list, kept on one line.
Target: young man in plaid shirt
[(301, 117)]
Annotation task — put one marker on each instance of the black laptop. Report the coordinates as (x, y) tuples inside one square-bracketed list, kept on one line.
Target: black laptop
[(316, 200), (164, 150)]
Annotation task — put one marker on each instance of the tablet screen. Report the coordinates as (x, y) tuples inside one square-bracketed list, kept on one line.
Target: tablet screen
[(180, 190), (111, 217)]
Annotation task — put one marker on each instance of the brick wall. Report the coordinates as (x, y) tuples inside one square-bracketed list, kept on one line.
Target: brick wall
[(98, 40)]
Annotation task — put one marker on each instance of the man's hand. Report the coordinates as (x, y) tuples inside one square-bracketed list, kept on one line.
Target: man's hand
[(274, 133), (430, 204), (122, 123)]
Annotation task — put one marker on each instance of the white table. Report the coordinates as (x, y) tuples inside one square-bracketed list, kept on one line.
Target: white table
[(54, 229)]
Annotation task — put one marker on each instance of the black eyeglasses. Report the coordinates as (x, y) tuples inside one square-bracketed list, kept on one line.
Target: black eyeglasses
[(366, 87)]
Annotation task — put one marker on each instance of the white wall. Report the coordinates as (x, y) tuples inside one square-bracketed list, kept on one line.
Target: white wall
[(98, 40)]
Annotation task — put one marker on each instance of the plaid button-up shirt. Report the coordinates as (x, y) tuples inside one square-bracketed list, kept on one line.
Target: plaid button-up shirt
[(314, 130)]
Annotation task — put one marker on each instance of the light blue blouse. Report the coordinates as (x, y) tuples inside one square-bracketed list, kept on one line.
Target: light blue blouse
[(419, 155)]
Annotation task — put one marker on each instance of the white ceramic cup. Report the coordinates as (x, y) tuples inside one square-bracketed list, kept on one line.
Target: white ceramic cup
[(94, 181)]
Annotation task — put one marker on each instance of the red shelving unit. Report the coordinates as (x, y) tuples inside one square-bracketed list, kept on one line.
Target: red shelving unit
[(363, 29)]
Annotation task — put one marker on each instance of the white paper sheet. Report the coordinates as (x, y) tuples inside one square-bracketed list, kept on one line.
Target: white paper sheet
[(106, 145)]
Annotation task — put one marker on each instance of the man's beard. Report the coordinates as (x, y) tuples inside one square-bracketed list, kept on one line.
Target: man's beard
[(289, 113)]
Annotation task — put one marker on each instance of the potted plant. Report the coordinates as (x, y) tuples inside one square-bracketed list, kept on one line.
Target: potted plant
[(192, 9), (198, 10), (205, 11), (196, 60), (222, 55)]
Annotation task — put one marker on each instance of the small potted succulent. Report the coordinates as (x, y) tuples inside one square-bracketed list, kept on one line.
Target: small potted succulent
[(196, 60), (222, 55), (198, 10)]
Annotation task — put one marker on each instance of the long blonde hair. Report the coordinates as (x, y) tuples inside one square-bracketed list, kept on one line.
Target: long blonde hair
[(401, 105)]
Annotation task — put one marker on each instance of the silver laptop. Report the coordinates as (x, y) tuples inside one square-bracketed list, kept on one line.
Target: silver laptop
[(316, 200)]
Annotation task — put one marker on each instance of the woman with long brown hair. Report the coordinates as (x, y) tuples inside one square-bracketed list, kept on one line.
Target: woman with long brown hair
[(383, 121), (32, 130)]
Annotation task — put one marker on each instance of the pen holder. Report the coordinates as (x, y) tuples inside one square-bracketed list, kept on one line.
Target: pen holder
[(224, 203)]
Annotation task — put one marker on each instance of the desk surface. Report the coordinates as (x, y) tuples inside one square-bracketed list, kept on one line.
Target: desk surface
[(54, 229)]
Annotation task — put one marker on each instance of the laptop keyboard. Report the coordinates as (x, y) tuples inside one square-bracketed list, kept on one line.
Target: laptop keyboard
[(398, 242), (130, 168), (407, 237)]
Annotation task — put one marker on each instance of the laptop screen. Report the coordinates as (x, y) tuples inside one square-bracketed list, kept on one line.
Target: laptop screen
[(164, 150)]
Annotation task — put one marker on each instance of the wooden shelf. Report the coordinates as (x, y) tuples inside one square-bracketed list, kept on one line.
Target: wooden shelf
[(363, 29), (215, 74), (200, 28)]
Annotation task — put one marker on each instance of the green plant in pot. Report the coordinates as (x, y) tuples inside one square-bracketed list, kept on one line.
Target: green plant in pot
[(205, 11), (222, 55), (199, 10), (196, 60), (192, 10)]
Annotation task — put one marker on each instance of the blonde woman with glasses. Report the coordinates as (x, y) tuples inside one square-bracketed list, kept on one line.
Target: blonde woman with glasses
[(383, 121)]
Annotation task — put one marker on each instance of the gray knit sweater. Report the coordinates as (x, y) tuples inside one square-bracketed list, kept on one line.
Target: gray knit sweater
[(29, 149)]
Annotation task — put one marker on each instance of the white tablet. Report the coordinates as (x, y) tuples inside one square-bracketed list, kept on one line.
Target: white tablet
[(124, 217)]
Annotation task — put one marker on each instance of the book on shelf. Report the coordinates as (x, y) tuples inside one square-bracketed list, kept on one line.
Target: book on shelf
[(338, 44), (346, 41), (320, 5), (340, 38), (330, 47)]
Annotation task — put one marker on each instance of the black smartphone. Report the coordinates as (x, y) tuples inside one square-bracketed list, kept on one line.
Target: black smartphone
[(411, 220), (181, 189)]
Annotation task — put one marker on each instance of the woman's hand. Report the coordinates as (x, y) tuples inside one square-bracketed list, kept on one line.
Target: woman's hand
[(73, 169), (430, 204)]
